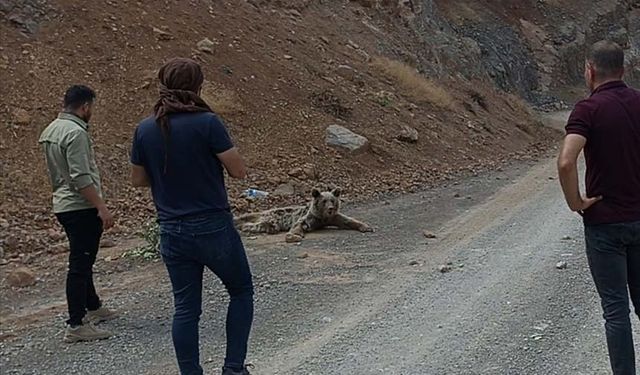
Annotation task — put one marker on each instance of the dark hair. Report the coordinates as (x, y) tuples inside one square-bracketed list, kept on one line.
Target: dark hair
[(607, 58), (78, 95)]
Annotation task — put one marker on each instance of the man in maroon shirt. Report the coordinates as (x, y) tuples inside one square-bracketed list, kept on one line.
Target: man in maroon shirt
[(607, 126)]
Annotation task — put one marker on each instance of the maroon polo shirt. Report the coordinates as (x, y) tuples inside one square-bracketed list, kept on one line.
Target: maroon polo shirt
[(610, 120)]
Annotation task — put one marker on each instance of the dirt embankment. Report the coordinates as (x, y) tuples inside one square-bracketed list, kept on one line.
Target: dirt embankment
[(279, 73)]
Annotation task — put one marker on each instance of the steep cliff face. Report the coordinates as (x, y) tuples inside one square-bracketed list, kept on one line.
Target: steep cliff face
[(26, 15), (533, 48)]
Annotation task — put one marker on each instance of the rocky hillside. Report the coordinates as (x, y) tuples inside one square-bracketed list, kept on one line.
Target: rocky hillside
[(537, 48), (533, 48), (437, 88)]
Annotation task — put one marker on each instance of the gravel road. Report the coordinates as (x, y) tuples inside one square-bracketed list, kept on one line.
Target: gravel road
[(348, 303)]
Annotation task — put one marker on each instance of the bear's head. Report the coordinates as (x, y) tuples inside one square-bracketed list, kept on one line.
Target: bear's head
[(325, 204)]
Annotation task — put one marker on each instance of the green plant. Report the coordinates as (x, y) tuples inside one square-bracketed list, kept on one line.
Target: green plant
[(383, 98), (384, 101), (151, 249)]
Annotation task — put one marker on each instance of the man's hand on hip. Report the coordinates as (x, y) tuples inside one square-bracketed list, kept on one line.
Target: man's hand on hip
[(586, 203)]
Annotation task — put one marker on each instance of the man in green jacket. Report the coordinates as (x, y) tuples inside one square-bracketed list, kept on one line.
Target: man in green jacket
[(80, 209)]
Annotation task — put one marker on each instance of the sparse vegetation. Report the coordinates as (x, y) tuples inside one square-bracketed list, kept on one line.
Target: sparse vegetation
[(331, 104), (384, 98), (517, 104), (414, 84), (151, 250), (479, 99), (384, 101)]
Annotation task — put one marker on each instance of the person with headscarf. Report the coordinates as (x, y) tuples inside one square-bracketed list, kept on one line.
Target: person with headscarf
[(181, 152)]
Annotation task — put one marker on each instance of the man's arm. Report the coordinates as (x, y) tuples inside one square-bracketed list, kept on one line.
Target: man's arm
[(233, 163), (568, 173), (139, 176), (91, 194), (222, 147), (78, 154)]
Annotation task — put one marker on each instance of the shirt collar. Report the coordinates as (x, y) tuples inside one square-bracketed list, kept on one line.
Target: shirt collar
[(74, 118), (609, 85)]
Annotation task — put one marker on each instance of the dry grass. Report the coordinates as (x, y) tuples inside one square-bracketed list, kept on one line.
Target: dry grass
[(223, 101), (412, 83), (460, 11), (517, 104)]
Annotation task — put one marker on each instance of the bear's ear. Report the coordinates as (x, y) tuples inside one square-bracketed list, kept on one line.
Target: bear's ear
[(315, 193), (336, 192)]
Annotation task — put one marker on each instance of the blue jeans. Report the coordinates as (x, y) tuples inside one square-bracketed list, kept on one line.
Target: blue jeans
[(187, 246), (613, 251)]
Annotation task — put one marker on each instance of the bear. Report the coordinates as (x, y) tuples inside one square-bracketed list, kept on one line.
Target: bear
[(323, 211)]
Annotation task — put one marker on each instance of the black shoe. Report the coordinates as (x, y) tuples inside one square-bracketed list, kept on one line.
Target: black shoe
[(244, 371)]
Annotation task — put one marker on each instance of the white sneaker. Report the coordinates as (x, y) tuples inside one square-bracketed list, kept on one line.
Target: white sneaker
[(85, 332), (103, 314)]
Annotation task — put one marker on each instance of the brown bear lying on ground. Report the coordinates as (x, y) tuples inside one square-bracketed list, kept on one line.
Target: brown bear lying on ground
[(324, 211)]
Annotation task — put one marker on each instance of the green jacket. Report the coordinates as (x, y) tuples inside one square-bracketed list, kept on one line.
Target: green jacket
[(71, 162)]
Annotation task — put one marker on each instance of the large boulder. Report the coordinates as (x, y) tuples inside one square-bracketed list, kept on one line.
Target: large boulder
[(343, 138), (408, 134), (285, 190), (206, 45), (21, 277), (21, 117), (346, 72)]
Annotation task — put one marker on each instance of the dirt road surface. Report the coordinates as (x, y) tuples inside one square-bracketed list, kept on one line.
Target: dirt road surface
[(347, 303)]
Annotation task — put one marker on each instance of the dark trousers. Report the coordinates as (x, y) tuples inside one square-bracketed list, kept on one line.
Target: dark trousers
[(187, 247), (614, 258), (83, 229)]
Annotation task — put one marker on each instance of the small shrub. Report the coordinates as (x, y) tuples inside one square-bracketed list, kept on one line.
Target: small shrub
[(151, 250), (331, 104), (479, 99), (384, 98)]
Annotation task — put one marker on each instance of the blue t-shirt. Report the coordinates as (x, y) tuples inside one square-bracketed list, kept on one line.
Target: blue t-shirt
[(192, 181)]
